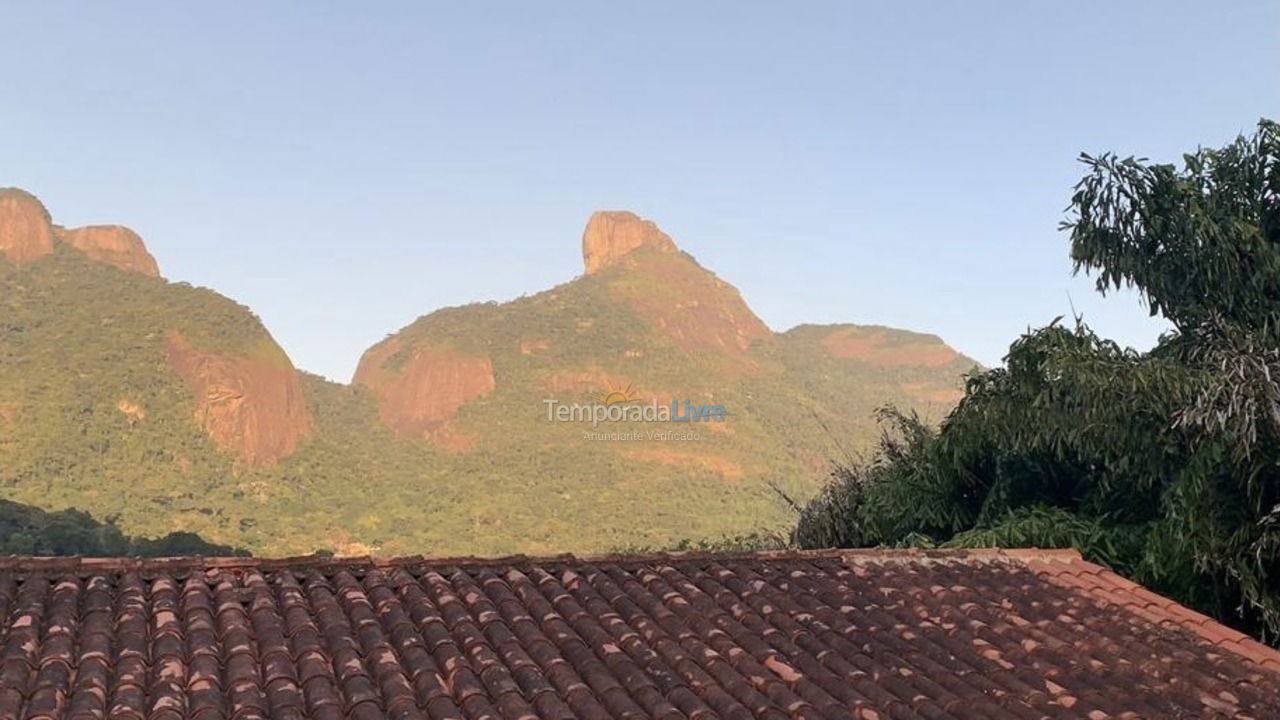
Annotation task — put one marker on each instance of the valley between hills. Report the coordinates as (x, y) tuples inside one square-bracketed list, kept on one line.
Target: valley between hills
[(156, 406)]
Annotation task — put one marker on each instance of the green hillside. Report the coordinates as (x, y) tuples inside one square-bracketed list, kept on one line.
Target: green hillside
[(94, 417), (794, 407)]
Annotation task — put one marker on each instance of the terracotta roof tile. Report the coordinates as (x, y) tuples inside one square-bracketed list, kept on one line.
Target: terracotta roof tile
[(873, 634)]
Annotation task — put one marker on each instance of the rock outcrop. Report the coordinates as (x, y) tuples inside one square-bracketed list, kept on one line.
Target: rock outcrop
[(251, 405), (611, 234), (131, 409), (421, 397), (112, 244), (26, 232)]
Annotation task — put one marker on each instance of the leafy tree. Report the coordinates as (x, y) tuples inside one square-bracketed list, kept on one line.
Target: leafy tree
[(1164, 464)]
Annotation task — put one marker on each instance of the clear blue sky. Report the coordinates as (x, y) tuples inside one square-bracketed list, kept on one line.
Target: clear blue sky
[(342, 168)]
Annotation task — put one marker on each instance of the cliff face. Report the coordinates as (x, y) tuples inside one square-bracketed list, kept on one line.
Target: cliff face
[(251, 405), (26, 233), (611, 234), (113, 245), (421, 398)]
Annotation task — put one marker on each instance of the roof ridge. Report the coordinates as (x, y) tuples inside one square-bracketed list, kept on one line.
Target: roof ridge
[(986, 554), (32, 563)]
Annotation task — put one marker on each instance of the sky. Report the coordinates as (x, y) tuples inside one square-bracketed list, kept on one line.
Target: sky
[(342, 168)]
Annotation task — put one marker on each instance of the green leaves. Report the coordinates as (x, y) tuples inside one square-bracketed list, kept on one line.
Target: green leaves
[(1164, 465), (1198, 243)]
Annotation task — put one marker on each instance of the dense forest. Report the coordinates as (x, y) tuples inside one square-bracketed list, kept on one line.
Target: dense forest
[(94, 418), (1165, 464)]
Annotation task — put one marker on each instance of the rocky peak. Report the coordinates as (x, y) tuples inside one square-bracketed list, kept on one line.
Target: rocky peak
[(26, 233), (610, 234), (113, 245), (682, 299)]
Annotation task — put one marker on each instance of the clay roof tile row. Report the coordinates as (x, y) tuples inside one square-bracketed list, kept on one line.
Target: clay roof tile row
[(872, 634)]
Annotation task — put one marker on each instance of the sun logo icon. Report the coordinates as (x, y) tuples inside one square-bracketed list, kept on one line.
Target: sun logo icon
[(617, 395)]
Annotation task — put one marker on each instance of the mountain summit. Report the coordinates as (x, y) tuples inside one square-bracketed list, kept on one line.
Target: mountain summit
[(27, 233), (112, 244), (610, 234)]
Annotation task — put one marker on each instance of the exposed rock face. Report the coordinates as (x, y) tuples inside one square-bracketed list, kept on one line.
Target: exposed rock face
[(111, 244), (611, 234), (422, 397), (131, 409), (881, 346), (252, 406), (26, 233)]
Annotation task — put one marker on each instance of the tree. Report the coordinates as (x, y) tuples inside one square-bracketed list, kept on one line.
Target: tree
[(1164, 465)]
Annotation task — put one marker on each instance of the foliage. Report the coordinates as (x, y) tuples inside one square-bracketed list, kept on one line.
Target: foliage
[(92, 417), (26, 530), (1164, 464)]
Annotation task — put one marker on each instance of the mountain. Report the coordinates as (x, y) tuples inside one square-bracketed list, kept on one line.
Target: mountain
[(158, 407), (647, 320)]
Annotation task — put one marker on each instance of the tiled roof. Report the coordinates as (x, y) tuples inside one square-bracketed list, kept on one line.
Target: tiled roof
[(790, 635)]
